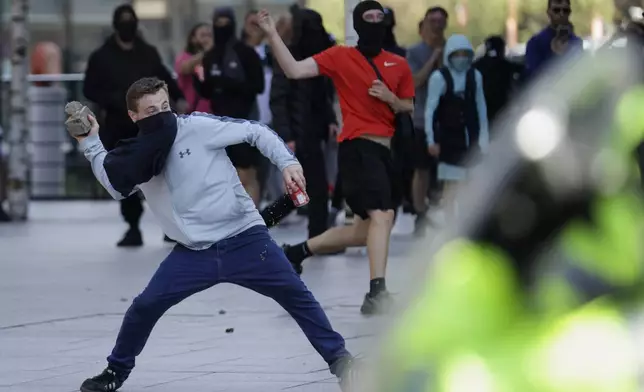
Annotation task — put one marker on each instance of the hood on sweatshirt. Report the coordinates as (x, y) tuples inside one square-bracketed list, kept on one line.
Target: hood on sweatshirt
[(455, 43)]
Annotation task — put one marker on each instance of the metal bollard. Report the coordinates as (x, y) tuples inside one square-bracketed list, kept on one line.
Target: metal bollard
[(47, 131)]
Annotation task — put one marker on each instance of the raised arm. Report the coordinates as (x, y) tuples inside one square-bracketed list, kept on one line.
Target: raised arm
[(292, 68), (421, 71)]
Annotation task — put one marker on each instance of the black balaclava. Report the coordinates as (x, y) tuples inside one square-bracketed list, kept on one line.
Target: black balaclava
[(309, 35), (390, 22), (126, 30), (370, 35), (495, 47), (222, 35)]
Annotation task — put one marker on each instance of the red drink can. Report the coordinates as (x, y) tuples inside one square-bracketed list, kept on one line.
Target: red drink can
[(299, 197)]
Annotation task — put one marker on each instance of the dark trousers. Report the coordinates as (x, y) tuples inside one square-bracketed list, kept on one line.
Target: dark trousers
[(337, 201), (252, 260), (311, 156), (132, 210)]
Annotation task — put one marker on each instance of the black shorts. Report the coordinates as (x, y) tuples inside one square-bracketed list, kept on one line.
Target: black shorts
[(243, 156), (368, 176), (422, 159)]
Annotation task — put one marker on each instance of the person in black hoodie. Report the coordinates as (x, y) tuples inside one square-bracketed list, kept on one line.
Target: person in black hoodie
[(303, 113), (123, 59), (500, 76), (233, 78), (390, 44)]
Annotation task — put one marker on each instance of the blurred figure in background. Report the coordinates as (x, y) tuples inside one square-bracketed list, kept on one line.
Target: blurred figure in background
[(284, 27), (402, 159), (304, 115), (456, 124), (233, 78), (555, 40), (253, 36), (123, 59), (4, 217), (500, 76), (188, 64), (390, 44), (424, 58)]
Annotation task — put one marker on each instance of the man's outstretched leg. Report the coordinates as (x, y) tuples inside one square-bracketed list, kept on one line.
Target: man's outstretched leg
[(183, 273), (373, 232), (371, 190), (253, 260)]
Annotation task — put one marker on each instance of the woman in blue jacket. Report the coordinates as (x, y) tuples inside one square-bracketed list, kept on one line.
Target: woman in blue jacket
[(456, 123)]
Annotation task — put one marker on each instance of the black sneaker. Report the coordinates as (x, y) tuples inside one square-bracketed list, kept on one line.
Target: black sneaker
[(108, 381), (4, 217), (408, 208), (420, 225), (132, 238), (297, 266), (376, 304)]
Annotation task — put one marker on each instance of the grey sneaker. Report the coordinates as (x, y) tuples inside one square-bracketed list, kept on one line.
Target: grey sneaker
[(349, 374), (378, 304)]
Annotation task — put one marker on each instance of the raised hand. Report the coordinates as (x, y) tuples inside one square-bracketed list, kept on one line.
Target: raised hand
[(265, 22)]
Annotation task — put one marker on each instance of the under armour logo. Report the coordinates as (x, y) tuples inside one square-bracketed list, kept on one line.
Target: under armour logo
[(184, 153)]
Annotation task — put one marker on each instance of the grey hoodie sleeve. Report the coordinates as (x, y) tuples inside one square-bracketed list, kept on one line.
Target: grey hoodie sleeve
[(224, 132)]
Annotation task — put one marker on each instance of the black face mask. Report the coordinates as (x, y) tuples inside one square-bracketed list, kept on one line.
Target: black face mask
[(126, 30), (158, 124), (223, 34), (371, 36)]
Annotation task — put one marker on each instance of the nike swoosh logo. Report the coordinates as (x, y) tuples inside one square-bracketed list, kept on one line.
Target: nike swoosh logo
[(389, 64)]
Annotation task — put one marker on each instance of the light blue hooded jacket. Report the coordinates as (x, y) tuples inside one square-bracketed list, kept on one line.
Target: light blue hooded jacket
[(437, 87)]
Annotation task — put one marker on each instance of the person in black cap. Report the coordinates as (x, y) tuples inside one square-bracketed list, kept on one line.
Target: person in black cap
[(123, 59), (233, 78), (500, 76), (373, 85)]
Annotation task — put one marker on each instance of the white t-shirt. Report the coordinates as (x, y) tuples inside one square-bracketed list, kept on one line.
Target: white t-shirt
[(263, 99)]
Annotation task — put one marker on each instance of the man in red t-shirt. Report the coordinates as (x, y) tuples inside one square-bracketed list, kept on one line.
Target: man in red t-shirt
[(365, 164)]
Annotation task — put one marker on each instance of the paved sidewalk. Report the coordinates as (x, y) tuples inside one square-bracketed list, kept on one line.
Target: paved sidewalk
[(64, 287)]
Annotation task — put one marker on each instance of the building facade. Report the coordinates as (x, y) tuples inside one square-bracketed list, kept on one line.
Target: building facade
[(79, 26)]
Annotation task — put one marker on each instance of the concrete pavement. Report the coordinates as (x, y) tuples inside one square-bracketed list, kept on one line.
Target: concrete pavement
[(64, 287)]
